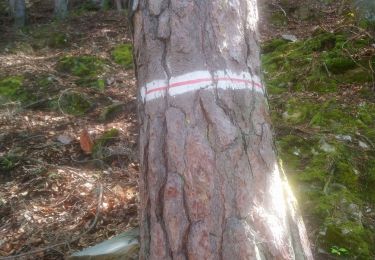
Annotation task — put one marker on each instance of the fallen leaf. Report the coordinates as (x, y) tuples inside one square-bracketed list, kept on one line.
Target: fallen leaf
[(86, 143)]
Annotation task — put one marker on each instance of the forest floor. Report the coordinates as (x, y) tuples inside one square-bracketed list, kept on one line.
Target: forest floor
[(58, 192), (68, 129)]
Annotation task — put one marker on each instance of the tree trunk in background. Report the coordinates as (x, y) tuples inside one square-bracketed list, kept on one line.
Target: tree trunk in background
[(210, 187), (61, 9), (366, 13), (366, 8), (104, 4), (18, 11), (118, 5)]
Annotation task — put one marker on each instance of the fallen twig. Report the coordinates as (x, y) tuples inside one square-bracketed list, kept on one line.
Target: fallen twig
[(93, 224)]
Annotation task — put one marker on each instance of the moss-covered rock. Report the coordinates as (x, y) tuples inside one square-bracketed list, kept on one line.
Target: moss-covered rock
[(123, 55)]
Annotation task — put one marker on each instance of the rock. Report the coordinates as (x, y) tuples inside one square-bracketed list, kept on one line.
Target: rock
[(324, 146), (294, 116), (123, 246), (64, 139), (344, 138), (289, 37), (363, 145), (355, 212)]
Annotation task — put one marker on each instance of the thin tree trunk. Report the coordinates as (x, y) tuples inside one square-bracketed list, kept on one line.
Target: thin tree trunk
[(118, 5), (104, 4), (210, 186), (61, 9), (18, 11)]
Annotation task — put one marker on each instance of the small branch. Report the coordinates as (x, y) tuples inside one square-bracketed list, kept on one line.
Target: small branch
[(31, 105), (59, 100), (328, 72), (372, 74), (281, 8)]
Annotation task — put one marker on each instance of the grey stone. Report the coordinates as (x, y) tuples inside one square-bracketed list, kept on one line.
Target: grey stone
[(123, 246), (289, 37)]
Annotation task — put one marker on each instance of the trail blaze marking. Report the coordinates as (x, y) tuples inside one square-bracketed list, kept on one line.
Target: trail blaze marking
[(200, 80)]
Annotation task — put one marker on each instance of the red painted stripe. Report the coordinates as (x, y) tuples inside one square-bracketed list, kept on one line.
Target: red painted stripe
[(195, 81)]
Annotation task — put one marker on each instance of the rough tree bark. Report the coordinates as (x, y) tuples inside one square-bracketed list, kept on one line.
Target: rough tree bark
[(61, 9), (210, 187), (18, 11)]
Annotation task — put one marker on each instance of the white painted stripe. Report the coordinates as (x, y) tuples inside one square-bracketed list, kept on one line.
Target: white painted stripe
[(200, 80)]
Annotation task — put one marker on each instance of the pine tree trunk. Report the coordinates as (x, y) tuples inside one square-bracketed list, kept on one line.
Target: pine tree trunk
[(18, 11), (61, 9), (210, 187)]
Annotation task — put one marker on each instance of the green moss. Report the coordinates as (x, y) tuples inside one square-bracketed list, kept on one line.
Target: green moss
[(357, 75), (100, 143), (87, 68), (49, 35), (123, 55), (318, 64), (350, 235), (58, 40), (333, 177), (366, 113), (297, 113), (321, 42), (74, 103), (100, 84), (346, 175), (10, 86), (367, 24), (86, 6), (318, 81), (21, 47), (8, 162), (336, 62), (111, 111), (272, 45), (12, 89), (44, 81), (81, 65)]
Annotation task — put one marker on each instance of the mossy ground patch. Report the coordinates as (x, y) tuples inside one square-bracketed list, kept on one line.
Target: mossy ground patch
[(324, 140)]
